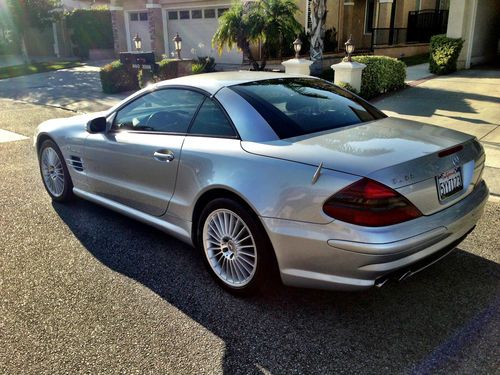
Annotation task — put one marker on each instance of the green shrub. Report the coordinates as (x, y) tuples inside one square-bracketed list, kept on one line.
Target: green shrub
[(117, 77), (444, 54), (348, 87), (165, 70), (382, 74), (204, 64), (91, 28)]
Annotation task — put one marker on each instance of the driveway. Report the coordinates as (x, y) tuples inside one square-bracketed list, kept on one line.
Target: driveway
[(86, 290), (467, 101), (77, 89)]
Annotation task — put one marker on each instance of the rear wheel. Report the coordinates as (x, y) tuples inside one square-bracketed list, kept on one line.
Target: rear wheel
[(236, 249), (55, 174)]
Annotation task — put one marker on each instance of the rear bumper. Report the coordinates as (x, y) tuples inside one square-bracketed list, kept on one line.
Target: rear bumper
[(349, 257)]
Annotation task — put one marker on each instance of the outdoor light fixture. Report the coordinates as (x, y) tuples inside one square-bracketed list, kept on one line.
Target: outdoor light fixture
[(138, 42), (349, 48), (178, 45), (297, 46)]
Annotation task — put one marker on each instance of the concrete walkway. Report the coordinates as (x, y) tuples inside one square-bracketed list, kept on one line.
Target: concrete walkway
[(417, 73), (467, 101), (77, 89)]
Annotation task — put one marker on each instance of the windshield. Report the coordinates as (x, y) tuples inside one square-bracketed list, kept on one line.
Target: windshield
[(298, 106)]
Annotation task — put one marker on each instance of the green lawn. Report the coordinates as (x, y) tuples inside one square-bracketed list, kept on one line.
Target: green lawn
[(415, 60), (22, 70)]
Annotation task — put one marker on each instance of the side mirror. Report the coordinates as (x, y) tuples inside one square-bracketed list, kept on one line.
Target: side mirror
[(97, 125)]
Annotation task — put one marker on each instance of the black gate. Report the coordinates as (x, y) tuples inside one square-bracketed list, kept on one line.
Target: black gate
[(423, 24)]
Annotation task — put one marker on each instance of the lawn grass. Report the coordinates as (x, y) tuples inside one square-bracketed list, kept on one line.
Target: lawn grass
[(25, 69), (415, 60)]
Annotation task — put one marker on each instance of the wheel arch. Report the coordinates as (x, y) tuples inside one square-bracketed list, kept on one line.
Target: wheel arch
[(42, 137), (222, 192)]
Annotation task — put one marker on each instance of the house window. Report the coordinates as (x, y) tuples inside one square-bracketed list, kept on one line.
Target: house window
[(221, 11), (369, 13), (173, 15), (196, 13), (136, 16), (209, 13), (184, 14)]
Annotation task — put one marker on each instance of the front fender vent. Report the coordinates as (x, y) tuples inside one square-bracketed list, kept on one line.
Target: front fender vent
[(76, 162)]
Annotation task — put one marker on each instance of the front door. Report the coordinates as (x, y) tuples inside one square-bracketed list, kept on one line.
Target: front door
[(136, 162)]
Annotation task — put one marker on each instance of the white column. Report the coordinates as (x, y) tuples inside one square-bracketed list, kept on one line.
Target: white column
[(349, 72), (461, 24), (297, 66)]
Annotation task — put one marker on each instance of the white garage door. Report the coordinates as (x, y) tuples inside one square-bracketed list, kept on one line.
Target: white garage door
[(138, 24), (196, 28)]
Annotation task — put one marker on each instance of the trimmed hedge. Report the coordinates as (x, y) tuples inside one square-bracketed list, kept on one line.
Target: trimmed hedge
[(382, 74), (91, 29), (165, 70), (117, 77), (348, 87), (444, 54)]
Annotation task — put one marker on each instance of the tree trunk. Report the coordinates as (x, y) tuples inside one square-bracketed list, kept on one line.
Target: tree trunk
[(24, 51), (318, 19)]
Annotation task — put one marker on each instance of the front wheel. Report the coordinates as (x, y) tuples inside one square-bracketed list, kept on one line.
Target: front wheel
[(55, 174), (235, 246)]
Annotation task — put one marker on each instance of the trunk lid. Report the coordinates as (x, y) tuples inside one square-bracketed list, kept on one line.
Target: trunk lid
[(399, 153)]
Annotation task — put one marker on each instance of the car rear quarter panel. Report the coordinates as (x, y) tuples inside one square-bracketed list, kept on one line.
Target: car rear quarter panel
[(272, 187)]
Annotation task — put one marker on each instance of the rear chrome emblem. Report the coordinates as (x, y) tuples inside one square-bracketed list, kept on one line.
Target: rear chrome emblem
[(455, 160)]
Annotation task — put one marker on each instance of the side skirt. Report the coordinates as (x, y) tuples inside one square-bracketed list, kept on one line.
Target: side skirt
[(176, 230)]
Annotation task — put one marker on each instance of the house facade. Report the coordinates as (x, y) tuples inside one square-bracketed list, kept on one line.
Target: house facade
[(374, 24)]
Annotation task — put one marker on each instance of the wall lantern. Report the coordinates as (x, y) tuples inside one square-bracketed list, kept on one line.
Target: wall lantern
[(138, 42), (349, 48), (297, 46), (178, 45)]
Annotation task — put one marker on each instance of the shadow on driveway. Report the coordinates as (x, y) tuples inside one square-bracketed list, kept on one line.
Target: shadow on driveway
[(416, 326)]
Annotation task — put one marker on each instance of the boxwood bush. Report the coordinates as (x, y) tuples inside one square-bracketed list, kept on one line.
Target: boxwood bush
[(117, 77), (444, 54), (382, 74)]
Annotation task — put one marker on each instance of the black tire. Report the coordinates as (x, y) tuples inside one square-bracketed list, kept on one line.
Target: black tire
[(266, 268), (67, 192)]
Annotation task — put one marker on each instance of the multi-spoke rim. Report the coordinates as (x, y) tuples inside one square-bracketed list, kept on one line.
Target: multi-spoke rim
[(230, 247), (52, 171)]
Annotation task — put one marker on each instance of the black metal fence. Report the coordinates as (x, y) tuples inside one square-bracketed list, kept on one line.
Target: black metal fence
[(422, 24)]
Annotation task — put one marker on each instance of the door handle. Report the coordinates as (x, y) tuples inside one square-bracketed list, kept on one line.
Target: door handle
[(163, 155)]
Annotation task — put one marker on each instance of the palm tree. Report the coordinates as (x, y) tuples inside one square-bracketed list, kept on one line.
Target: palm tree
[(273, 23), (270, 22), (318, 20), (233, 30)]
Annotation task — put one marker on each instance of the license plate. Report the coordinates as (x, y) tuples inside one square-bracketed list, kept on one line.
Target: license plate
[(449, 183)]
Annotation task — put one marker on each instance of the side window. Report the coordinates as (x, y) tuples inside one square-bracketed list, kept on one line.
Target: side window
[(211, 121), (168, 110)]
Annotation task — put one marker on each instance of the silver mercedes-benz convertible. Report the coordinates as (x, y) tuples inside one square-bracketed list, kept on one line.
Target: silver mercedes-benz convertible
[(269, 172)]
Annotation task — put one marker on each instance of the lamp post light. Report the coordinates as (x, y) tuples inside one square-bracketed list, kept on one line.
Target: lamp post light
[(138, 42), (297, 46), (349, 48), (178, 45)]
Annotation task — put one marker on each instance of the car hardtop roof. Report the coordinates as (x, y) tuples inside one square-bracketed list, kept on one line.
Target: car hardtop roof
[(213, 82)]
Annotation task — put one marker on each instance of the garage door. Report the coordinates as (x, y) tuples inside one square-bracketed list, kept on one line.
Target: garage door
[(197, 27), (138, 25)]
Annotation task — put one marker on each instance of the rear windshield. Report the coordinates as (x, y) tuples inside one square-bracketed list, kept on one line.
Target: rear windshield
[(298, 106)]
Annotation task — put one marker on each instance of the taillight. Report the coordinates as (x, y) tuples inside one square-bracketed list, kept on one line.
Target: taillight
[(371, 204)]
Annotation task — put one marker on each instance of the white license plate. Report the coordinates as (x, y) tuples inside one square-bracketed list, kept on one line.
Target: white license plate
[(449, 183)]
